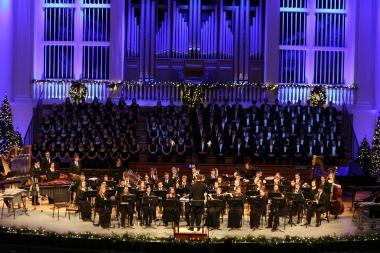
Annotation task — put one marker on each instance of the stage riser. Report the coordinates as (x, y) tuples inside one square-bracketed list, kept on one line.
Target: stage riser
[(286, 171)]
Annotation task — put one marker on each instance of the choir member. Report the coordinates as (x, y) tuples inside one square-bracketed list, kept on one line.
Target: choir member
[(82, 201)]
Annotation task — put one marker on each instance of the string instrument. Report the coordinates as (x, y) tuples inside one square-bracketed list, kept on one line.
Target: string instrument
[(336, 202)]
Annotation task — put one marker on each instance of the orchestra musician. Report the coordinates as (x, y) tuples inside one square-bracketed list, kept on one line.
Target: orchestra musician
[(149, 209), (274, 214), (103, 206), (82, 201), (76, 165), (126, 207), (196, 195), (296, 205), (141, 189), (52, 173), (46, 163), (318, 206), (236, 207), (35, 173), (214, 211), (171, 212), (258, 209), (128, 182)]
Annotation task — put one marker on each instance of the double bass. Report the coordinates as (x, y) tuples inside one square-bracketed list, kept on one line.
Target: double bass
[(336, 203)]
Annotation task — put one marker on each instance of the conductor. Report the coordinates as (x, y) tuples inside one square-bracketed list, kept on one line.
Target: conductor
[(197, 197)]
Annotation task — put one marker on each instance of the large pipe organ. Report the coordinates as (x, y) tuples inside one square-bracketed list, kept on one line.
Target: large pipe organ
[(224, 37)]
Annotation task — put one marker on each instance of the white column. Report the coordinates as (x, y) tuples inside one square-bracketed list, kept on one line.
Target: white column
[(365, 46), (117, 35), (22, 65), (6, 48), (377, 69), (272, 40), (349, 63), (78, 38), (310, 31), (38, 54)]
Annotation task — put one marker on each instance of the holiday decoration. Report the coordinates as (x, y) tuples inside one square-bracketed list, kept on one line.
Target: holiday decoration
[(112, 84), (364, 156), (77, 92), (192, 95), (8, 137), (375, 153), (140, 238), (318, 96)]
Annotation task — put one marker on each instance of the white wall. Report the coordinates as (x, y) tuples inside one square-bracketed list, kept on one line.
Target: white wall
[(6, 48), (365, 113)]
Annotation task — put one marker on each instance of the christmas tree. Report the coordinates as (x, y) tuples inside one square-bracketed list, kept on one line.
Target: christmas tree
[(364, 156), (375, 154), (8, 137)]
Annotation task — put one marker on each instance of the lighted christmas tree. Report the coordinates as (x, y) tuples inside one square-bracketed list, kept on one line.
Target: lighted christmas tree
[(375, 154), (9, 138), (364, 156)]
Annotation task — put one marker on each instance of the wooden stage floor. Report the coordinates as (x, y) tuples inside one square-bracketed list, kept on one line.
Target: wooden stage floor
[(41, 217)]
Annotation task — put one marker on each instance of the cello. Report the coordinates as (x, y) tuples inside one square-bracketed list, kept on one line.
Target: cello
[(336, 203)]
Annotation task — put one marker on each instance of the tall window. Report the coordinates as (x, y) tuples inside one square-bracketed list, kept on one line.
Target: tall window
[(293, 19), (76, 32), (312, 37), (330, 23)]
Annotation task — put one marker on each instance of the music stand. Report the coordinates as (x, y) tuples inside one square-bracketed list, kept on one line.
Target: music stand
[(181, 191), (211, 192), (250, 193), (150, 202), (111, 184), (160, 193), (272, 195), (293, 198), (278, 203), (225, 188), (128, 201)]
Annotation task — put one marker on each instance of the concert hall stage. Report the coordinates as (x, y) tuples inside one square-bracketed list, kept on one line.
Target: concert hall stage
[(39, 222)]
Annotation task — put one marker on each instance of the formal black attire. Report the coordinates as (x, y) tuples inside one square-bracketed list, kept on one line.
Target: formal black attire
[(171, 210), (257, 209), (103, 207), (196, 195), (127, 208), (214, 209), (83, 204), (76, 168), (235, 211), (318, 208), (149, 209)]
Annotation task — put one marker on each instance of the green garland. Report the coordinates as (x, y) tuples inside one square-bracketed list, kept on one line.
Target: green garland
[(261, 240), (113, 84), (318, 96)]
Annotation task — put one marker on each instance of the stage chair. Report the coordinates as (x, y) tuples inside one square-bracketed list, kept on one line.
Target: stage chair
[(61, 199), (71, 207)]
